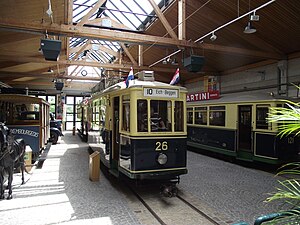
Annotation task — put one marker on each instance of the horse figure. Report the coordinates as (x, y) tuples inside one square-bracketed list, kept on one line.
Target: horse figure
[(12, 154)]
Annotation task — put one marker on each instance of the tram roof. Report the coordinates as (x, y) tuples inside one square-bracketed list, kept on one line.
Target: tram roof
[(22, 98), (139, 84), (243, 98)]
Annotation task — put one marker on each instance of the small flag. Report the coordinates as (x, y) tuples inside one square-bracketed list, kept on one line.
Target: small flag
[(129, 77), (175, 78)]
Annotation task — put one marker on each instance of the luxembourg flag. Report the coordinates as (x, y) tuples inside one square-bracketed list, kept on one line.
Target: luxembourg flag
[(129, 77), (175, 78)]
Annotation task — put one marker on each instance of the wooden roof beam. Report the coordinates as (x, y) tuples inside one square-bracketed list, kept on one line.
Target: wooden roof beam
[(68, 19), (83, 47), (91, 12), (44, 76), (128, 54), (163, 19), (112, 35), (81, 63), (181, 19), (91, 33)]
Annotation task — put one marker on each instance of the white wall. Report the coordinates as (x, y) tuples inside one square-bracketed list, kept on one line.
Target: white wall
[(261, 79)]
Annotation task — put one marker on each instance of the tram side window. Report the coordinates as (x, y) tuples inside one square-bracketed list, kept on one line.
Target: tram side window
[(95, 121), (217, 115), (261, 117), (178, 116), (126, 115), (142, 109), (201, 115), (190, 115), (102, 112)]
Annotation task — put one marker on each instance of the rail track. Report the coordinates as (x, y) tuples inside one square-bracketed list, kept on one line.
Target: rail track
[(176, 210)]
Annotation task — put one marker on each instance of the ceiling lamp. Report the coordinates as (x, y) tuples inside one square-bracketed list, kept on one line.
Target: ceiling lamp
[(249, 29), (50, 70), (174, 62), (213, 37), (254, 17)]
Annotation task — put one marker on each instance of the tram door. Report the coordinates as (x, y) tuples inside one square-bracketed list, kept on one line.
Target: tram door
[(245, 129), (115, 135)]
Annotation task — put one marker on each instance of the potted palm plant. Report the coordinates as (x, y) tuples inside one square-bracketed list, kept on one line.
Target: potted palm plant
[(288, 120)]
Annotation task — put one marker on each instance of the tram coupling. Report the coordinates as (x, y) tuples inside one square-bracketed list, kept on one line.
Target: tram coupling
[(169, 190)]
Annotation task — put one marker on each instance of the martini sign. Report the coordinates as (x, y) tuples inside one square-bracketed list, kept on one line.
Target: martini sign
[(202, 96)]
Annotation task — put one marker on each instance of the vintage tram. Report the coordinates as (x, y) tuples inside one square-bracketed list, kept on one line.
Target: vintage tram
[(27, 117), (237, 126), (140, 130)]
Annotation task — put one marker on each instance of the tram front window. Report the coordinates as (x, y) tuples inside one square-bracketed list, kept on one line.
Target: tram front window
[(159, 116), (157, 124)]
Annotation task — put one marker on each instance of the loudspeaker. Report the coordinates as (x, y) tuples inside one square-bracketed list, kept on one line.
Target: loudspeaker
[(59, 86), (194, 63), (51, 49)]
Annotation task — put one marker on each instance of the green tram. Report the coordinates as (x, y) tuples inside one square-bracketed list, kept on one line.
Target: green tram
[(236, 126), (140, 130)]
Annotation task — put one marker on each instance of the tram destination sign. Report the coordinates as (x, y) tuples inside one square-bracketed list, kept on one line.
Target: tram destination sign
[(160, 92)]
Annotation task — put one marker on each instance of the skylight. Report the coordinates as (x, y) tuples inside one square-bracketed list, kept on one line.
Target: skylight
[(133, 14)]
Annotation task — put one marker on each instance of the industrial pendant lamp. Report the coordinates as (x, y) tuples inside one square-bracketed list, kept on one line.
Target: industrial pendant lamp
[(249, 29), (213, 37)]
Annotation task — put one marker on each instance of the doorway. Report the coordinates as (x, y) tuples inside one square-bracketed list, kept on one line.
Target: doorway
[(245, 128), (115, 134)]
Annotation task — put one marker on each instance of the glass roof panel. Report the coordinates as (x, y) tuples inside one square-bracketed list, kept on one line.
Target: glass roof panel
[(120, 15), (131, 13), (128, 12)]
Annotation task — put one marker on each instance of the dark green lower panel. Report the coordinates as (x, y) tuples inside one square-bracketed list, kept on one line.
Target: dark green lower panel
[(211, 149)]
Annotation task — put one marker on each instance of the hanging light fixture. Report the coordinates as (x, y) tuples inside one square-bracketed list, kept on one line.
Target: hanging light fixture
[(249, 29), (50, 70), (213, 37), (174, 62), (254, 17)]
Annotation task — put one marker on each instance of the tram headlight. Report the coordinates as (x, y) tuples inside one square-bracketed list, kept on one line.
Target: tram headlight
[(162, 158)]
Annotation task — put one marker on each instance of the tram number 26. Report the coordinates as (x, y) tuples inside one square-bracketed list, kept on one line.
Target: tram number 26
[(161, 146)]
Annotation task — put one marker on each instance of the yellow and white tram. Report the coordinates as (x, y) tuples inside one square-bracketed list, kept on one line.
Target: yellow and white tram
[(237, 126), (140, 130)]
